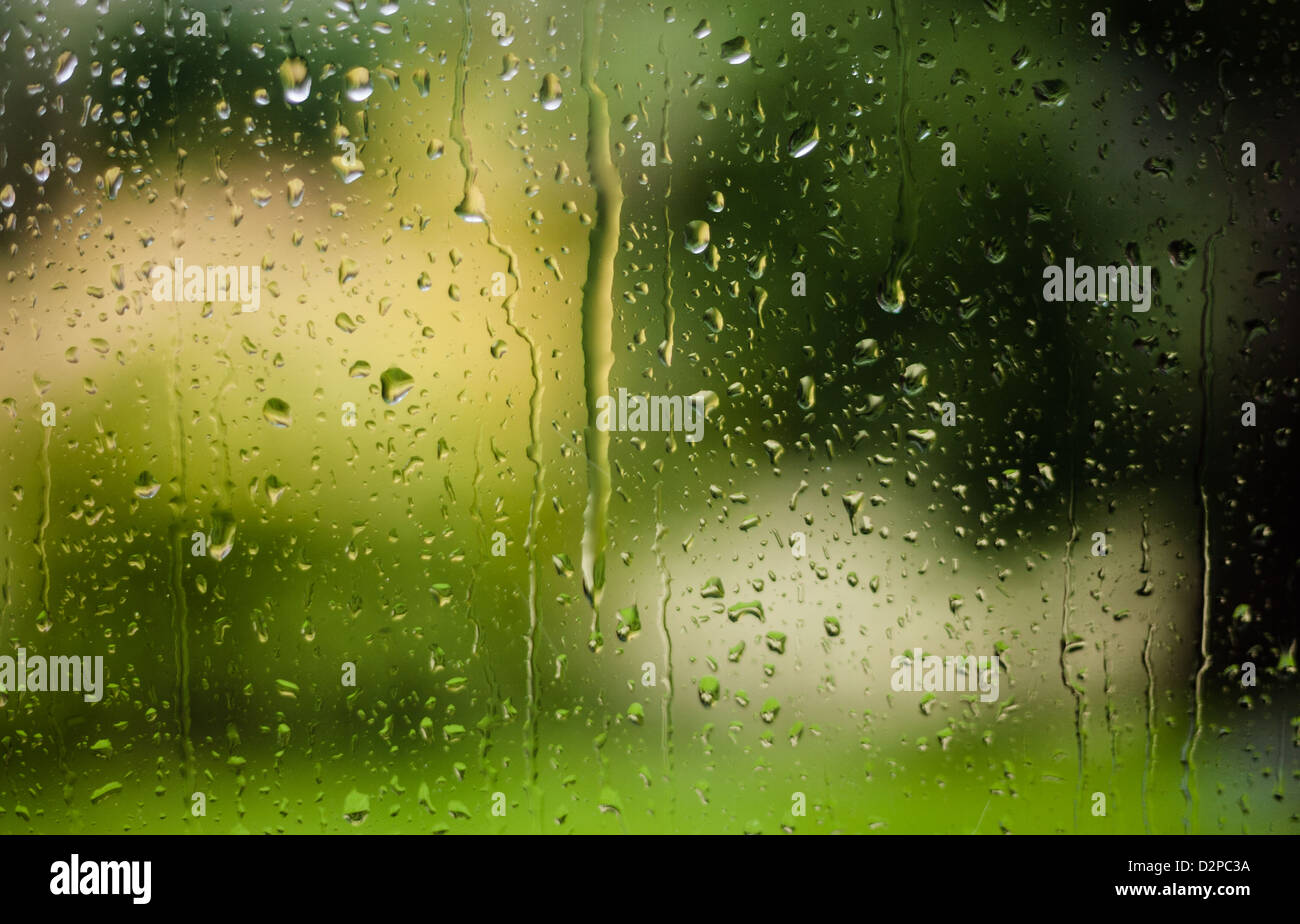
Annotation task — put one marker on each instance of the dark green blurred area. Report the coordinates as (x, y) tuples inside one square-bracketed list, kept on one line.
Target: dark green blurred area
[(372, 546)]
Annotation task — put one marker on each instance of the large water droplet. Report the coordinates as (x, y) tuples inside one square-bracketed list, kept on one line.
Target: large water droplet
[(295, 80), (915, 378), (277, 412), (803, 139), (551, 94), (357, 85), (807, 392), (1051, 92), (112, 181), (394, 384), (472, 208), (1182, 253), (64, 67), (890, 296), (348, 166), (146, 486), (866, 352), (697, 236), (736, 51), (709, 689)]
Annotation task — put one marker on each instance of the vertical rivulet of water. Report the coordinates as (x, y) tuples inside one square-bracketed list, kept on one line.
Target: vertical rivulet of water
[(471, 205), (1149, 760), (475, 512), (666, 355), (5, 585), (225, 502), (598, 314), (670, 316), (45, 620), (891, 296), (473, 208), (43, 525), (534, 504), (665, 595), (1206, 381), (179, 532), (1068, 590)]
